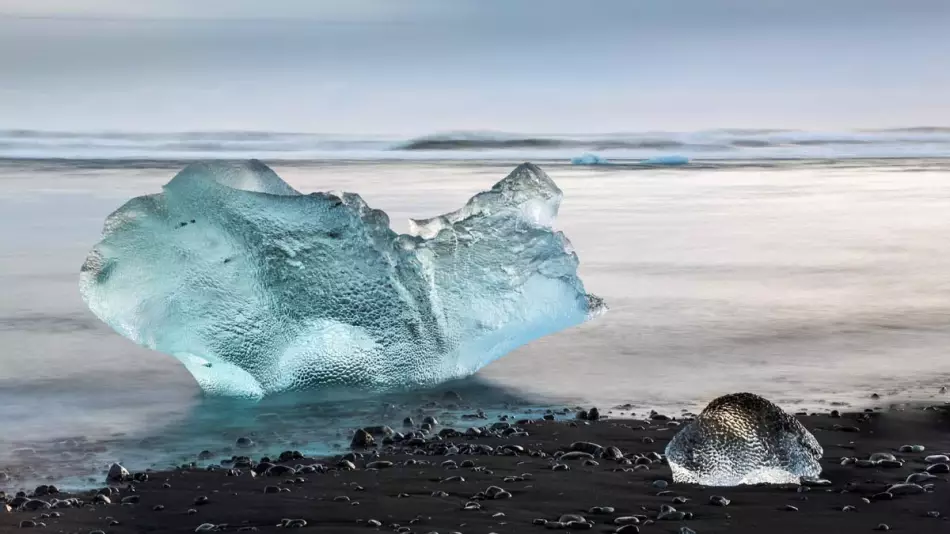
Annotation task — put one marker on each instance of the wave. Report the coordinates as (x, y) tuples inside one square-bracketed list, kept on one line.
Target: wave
[(918, 141)]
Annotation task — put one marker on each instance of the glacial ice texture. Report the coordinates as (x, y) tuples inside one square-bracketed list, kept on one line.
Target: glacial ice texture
[(258, 289), (743, 439)]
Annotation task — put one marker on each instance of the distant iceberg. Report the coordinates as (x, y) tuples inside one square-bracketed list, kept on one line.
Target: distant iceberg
[(671, 161), (588, 159)]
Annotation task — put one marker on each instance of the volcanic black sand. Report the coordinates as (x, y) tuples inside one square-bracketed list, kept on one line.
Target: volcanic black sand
[(503, 482)]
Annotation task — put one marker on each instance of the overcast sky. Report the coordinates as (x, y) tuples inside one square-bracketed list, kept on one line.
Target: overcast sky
[(420, 66)]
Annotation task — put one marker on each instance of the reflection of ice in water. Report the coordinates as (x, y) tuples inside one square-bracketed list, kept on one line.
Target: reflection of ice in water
[(297, 421)]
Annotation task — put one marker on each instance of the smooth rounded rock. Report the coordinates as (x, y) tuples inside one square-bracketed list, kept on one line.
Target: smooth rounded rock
[(938, 469)]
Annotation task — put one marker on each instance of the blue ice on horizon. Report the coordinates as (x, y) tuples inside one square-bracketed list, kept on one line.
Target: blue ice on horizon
[(259, 289), (672, 160), (589, 159)]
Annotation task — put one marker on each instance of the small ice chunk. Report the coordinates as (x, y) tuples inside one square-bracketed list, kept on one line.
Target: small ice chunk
[(743, 439)]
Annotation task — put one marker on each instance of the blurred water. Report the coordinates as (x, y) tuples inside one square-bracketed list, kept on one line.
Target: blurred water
[(807, 282)]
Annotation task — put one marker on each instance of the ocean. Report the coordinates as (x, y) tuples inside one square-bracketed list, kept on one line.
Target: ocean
[(813, 274)]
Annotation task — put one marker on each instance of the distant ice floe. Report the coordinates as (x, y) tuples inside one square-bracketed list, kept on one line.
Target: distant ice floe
[(588, 159), (671, 161)]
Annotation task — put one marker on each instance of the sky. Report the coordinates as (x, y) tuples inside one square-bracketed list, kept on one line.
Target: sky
[(421, 66)]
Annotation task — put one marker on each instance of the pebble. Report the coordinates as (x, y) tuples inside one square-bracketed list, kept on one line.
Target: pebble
[(937, 459), (790, 508), (33, 505), (905, 489), (912, 448), (202, 500), (848, 508), (882, 456), (719, 500), (660, 484), (601, 510), (26, 523), (882, 526), (933, 513), (916, 478), (938, 469), (362, 440), (627, 520), (576, 455), (668, 513), (627, 529), (205, 527), (572, 518), (588, 447), (244, 442), (117, 472)]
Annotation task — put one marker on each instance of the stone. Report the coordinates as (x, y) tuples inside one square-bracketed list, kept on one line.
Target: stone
[(117, 473)]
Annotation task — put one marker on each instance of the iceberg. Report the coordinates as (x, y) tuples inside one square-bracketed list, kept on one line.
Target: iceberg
[(666, 160), (589, 159), (258, 289), (743, 439)]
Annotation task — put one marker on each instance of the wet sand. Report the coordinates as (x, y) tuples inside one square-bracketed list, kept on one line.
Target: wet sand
[(420, 493)]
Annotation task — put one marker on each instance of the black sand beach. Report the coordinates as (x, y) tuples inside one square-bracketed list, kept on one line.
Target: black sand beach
[(503, 482)]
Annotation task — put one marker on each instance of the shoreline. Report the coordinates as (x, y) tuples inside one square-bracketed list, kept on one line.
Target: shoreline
[(463, 480)]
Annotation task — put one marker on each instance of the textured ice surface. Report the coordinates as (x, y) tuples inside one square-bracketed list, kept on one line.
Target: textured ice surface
[(743, 439), (588, 159), (258, 289), (666, 160)]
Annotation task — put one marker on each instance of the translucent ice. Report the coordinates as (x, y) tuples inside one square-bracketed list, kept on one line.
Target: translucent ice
[(743, 439), (258, 289)]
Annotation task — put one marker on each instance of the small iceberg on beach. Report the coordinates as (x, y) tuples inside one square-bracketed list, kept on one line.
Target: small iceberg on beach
[(743, 439), (670, 161), (259, 289), (589, 159)]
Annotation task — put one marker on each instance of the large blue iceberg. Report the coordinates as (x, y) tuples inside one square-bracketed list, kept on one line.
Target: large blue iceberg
[(259, 289)]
